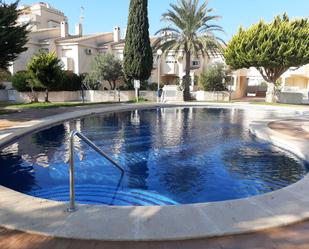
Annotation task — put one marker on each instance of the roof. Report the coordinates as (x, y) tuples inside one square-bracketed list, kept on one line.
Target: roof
[(75, 38), (112, 43), (43, 30)]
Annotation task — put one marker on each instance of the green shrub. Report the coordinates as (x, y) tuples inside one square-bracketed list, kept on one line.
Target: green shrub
[(127, 86), (69, 81), (20, 81), (214, 78), (144, 85), (140, 100), (90, 82), (153, 86), (5, 75)]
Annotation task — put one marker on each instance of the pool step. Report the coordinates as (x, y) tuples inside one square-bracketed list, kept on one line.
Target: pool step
[(104, 195)]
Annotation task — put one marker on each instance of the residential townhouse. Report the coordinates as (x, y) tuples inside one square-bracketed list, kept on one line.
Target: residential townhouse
[(50, 32)]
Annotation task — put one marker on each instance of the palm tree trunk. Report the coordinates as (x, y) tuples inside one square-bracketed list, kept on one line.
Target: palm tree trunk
[(187, 78)]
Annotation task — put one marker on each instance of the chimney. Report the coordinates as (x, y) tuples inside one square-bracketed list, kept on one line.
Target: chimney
[(125, 33), (64, 29), (79, 29), (116, 34)]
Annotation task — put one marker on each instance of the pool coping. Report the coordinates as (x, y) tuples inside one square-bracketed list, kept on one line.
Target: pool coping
[(279, 208)]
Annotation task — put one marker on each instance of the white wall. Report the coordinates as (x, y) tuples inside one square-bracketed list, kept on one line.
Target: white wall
[(25, 97), (4, 95), (212, 96), (75, 96), (290, 98)]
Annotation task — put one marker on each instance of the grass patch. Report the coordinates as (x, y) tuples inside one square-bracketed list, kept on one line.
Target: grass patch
[(52, 105), (140, 100), (5, 111)]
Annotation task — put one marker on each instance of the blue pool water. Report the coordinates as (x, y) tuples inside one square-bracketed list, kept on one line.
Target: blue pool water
[(171, 156)]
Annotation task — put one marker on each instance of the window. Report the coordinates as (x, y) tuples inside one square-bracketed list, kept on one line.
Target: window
[(196, 63)]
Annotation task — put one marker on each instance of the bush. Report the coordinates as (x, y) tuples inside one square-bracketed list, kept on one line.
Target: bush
[(140, 100), (69, 81), (5, 75), (2, 87), (153, 86), (214, 79), (20, 81), (90, 82), (127, 86)]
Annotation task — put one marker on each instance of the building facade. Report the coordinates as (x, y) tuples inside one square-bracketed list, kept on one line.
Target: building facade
[(50, 32), (295, 80)]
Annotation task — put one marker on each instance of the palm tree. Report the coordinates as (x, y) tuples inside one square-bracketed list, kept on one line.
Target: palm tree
[(190, 30)]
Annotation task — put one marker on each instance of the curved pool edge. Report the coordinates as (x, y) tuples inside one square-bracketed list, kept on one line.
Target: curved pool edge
[(280, 208)]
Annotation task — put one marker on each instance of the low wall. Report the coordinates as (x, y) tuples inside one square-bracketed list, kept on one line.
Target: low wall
[(4, 95), (74, 96), (171, 93), (113, 96), (25, 97), (149, 95), (290, 98), (212, 96), (108, 96)]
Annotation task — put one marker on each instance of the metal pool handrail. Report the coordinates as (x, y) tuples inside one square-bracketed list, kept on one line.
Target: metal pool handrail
[(72, 206)]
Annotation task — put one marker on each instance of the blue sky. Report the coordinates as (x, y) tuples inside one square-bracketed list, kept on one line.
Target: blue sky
[(103, 15)]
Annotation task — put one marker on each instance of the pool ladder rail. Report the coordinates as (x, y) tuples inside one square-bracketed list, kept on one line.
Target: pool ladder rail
[(72, 205)]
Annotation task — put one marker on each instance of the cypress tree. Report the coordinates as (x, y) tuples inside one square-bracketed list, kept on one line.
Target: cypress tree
[(138, 59), (12, 37)]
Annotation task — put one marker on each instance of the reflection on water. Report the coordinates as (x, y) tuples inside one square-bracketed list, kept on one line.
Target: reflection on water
[(186, 155)]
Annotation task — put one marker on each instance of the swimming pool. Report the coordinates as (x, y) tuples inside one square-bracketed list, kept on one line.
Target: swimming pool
[(171, 156)]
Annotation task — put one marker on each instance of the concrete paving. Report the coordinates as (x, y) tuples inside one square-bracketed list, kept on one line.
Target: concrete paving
[(282, 207)]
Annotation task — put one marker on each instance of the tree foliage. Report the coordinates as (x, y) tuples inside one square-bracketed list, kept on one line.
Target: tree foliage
[(270, 47), (20, 81), (106, 67), (190, 29), (138, 60), (45, 71), (13, 37), (215, 78)]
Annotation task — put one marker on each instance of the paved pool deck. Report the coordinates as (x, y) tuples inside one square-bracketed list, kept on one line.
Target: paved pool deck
[(279, 208)]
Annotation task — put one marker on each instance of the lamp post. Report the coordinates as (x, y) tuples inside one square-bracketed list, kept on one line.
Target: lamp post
[(159, 53)]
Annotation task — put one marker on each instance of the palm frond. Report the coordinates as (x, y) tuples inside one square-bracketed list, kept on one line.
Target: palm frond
[(192, 28)]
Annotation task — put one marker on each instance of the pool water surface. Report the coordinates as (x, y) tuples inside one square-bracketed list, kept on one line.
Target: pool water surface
[(171, 156)]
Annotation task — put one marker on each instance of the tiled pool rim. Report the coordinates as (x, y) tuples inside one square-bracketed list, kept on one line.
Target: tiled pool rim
[(107, 223)]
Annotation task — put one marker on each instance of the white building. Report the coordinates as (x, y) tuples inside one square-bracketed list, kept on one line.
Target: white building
[(40, 16), (50, 32), (295, 80)]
